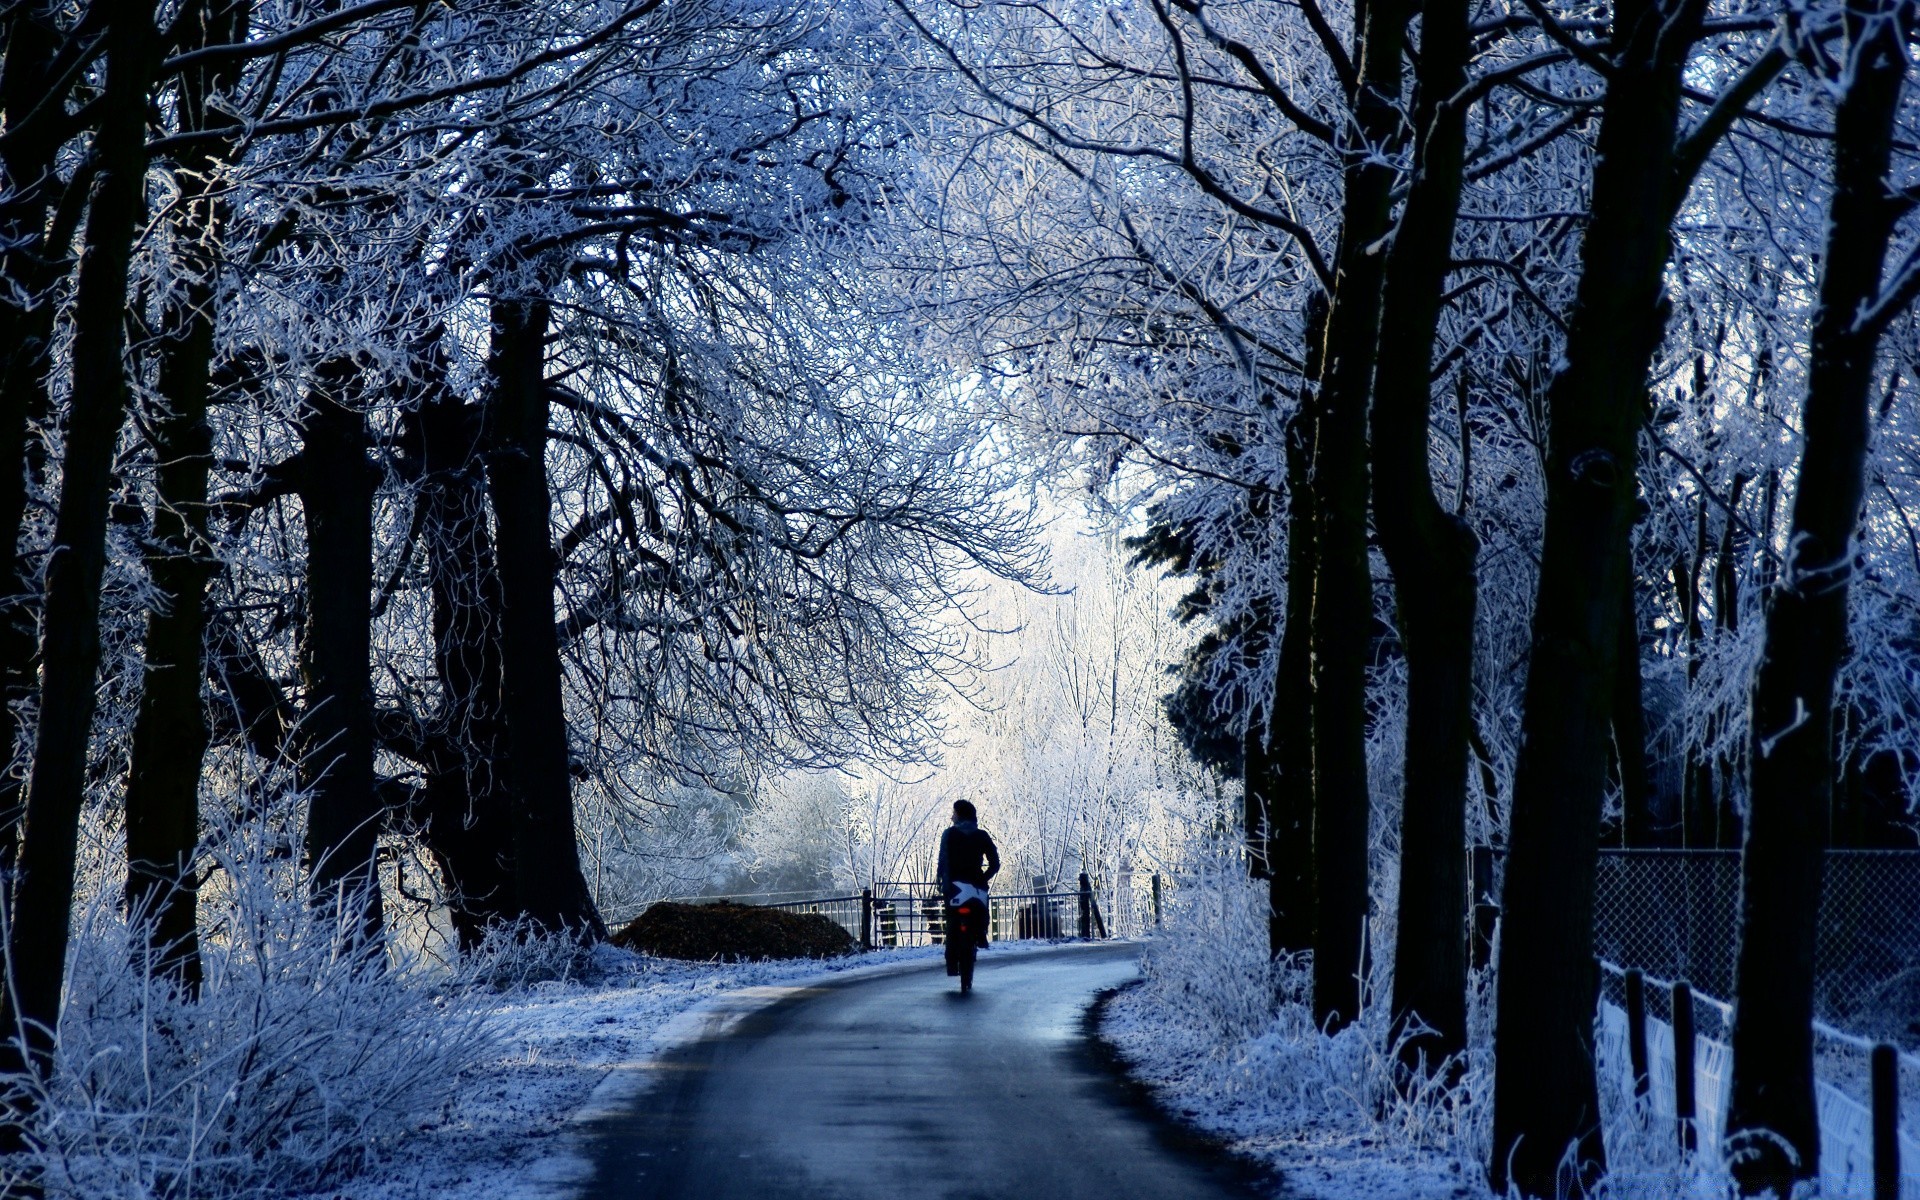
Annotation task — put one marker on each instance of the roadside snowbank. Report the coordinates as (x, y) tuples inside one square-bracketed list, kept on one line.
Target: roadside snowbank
[(1224, 1040), (1298, 1103)]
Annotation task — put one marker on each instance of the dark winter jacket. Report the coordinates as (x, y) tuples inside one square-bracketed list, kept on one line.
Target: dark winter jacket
[(967, 855)]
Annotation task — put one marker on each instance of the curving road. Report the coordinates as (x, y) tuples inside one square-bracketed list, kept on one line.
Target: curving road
[(897, 1086)]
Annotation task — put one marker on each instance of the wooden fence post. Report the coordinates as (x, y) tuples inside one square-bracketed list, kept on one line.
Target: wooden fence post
[(1086, 906), (866, 918), (1886, 1123), (1156, 899), (1637, 1032), (1683, 1106)]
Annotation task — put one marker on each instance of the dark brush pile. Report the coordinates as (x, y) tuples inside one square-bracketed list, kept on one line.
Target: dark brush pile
[(732, 933)]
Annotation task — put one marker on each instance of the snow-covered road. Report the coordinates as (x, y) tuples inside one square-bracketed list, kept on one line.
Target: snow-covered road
[(895, 1085)]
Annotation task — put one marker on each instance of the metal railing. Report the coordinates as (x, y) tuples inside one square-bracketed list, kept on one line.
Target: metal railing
[(911, 913), (1665, 929)]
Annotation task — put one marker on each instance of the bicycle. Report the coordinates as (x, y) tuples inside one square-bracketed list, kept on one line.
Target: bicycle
[(966, 924)]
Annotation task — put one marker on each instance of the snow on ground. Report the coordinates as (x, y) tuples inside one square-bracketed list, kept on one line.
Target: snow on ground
[(1302, 1109), (1224, 1039), (568, 1044), (577, 1050)]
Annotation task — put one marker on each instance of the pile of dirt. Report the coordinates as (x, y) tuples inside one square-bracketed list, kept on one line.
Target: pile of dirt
[(732, 933)]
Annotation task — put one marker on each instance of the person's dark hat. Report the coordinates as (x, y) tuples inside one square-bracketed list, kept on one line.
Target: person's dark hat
[(964, 810)]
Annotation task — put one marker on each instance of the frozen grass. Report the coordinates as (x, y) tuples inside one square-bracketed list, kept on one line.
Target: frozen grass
[(304, 1058), (1227, 1041)]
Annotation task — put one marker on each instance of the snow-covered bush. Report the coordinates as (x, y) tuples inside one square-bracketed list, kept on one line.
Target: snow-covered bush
[(1228, 1037), (1208, 971), (303, 1055)]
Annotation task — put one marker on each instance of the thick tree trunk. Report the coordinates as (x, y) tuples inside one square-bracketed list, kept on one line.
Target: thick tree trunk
[(1289, 736), (1772, 1123), (335, 734), (1545, 1096), (1343, 584), (468, 814), (32, 261), (1432, 555), (70, 646), (170, 729), (546, 857)]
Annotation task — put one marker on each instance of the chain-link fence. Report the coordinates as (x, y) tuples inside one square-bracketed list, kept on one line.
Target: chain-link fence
[(1674, 913)]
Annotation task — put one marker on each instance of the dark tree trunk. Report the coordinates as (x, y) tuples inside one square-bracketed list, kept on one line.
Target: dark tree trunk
[(70, 646), (1790, 749), (1290, 804), (1545, 1096), (1343, 584), (1630, 729), (32, 261), (467, 813), (1432, 554), (335, 734), (170, 728), (552, 890)]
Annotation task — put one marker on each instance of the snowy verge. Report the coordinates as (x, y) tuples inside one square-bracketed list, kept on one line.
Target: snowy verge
[(578, 1052), (1299, 1110), (1224, 1041)]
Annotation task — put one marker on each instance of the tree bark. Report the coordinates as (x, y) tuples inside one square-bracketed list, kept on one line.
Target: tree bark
[(1432, 555), (1772, 1126), (170, 728), (33, 260), (335, 734), (1545, 1097), (70, 645), (1343, 583), (1260, 778), (1290, 805), (552, 890), (468, 813)]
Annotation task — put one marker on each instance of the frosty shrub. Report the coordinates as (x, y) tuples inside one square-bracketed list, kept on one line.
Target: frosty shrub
[(304, 1055), (1208, 968), (1214, 1021), (517, 956)]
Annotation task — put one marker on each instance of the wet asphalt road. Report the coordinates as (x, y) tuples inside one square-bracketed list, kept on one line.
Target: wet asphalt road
[(900, 1087)]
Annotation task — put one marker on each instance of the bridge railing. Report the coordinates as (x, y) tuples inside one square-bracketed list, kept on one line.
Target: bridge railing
[(911, 913)]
